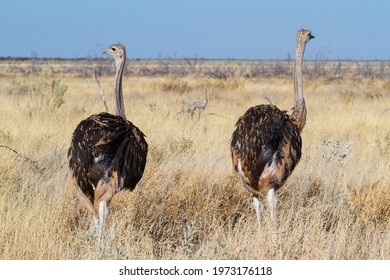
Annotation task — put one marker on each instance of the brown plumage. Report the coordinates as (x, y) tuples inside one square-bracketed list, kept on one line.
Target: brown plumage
[(266, 143), (107, 152)]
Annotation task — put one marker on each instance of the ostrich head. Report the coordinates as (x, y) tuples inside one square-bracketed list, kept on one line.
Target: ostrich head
[(304, 36), (118, 51)]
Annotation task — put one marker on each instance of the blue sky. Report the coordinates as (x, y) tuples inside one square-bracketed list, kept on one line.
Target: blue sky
[(242, 29)]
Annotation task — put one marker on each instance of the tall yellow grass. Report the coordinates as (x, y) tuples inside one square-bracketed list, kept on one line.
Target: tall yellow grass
[(190, 204)]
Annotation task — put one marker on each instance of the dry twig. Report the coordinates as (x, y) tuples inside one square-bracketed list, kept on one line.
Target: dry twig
[(30, 161), (101, 90)]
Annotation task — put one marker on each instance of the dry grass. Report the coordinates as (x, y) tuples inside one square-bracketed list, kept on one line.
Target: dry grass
[(190, 204)]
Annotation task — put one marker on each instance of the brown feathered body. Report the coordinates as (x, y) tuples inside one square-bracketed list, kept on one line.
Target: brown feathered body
[(106, 146), (265, 148)]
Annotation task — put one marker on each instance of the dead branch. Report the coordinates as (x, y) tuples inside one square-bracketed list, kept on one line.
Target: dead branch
[(218, 115), (266, 98), (101, 90), (197, 105), (385, 111), (30, 161)]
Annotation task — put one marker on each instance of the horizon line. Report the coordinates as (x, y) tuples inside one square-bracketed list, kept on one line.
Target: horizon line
[(25, 58)]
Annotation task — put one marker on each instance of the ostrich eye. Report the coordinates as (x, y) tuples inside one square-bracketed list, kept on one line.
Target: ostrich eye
[(113, 49)]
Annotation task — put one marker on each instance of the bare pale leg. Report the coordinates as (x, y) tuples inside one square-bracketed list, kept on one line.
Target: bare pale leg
[(259, 208), (85, 201), (272, 200), (103, 194), (103, 212)]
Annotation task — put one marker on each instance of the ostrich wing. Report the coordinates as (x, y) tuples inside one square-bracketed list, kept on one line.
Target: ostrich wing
[(103, 144)]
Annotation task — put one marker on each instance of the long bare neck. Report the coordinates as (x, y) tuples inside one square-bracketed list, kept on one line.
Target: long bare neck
[(119, 106), (299, 110)]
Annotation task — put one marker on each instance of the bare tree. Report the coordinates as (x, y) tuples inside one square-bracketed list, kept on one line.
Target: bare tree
[(197, 105)]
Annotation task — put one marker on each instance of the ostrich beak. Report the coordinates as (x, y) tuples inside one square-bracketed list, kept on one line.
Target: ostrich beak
[(108, 51)]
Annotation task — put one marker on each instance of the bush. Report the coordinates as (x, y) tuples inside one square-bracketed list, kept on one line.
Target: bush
[(48, 90)]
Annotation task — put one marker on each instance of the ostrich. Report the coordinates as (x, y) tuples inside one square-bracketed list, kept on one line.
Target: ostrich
[(107, 152), (266, 143)]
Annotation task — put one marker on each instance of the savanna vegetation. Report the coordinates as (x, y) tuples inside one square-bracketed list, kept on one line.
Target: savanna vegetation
[(189, 203)]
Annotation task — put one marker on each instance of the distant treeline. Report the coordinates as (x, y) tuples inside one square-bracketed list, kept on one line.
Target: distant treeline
[(213, 68), (6, 58)]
